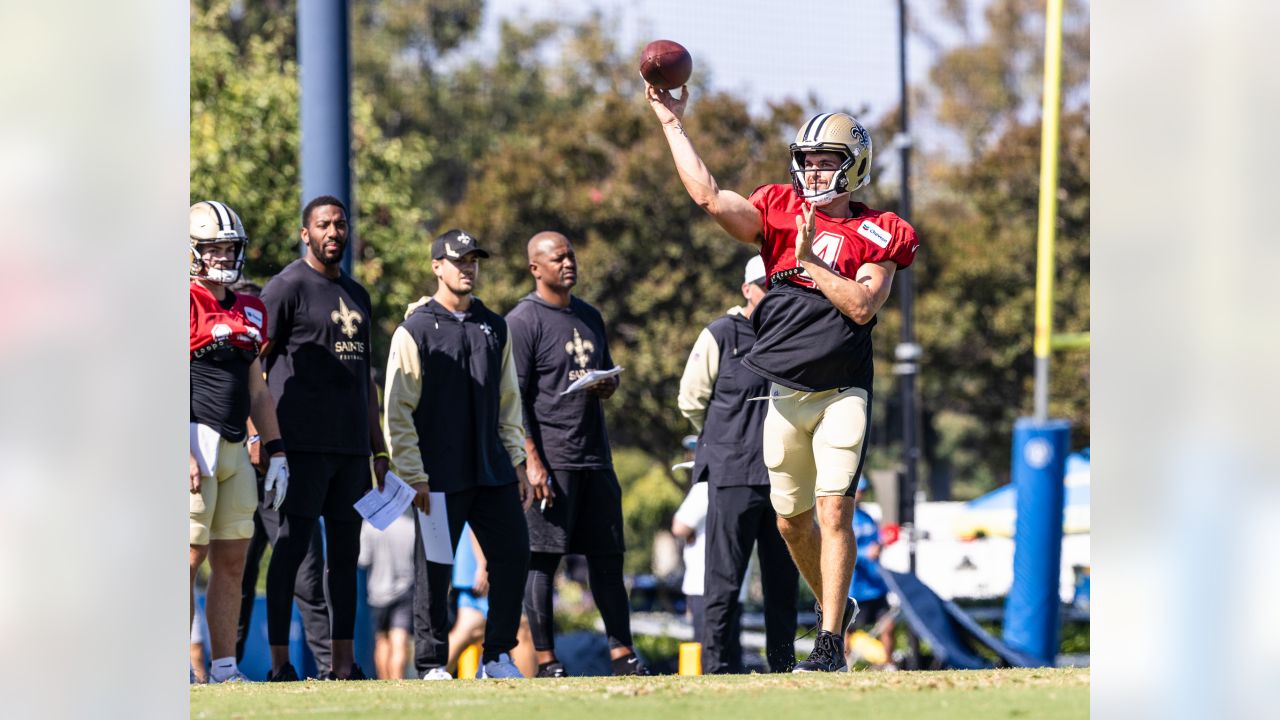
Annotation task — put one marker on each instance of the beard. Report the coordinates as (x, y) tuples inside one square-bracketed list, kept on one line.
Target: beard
[(317, 250), (461, 290)]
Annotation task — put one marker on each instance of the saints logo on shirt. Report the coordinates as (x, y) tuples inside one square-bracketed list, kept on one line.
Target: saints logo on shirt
[(348, 321), (346, 317), (581, 351)]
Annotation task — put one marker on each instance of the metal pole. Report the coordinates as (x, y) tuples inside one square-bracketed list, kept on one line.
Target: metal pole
[(325, 98), (907, 353), (1048, 202)]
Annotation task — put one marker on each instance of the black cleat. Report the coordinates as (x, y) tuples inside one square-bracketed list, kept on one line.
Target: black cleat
[(286, 673), (551, 670), (827, 655), (850, 612), (629, 665), (356, 674)]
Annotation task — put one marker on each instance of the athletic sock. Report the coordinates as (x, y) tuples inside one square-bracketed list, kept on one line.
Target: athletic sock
[(223, 668)]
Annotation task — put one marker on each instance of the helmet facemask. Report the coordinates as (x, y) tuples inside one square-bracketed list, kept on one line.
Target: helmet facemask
[(218, 275), (838, 185)]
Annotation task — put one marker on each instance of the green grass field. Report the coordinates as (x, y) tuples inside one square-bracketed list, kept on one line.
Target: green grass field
[(1038, 694)]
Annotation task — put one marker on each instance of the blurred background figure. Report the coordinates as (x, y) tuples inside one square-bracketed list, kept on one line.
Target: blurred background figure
[(199, 636), (690, 526), (719, 395), (388, 557), (471, 585), (875, 616)]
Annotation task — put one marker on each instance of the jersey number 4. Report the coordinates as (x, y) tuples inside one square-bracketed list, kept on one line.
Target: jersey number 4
[(827, 247)]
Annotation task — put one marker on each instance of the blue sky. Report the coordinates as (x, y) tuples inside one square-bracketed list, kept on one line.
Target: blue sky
[(844, 51)]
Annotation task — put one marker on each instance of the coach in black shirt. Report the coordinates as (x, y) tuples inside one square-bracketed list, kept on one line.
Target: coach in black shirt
[(453, 424), (317, 366), (577, 507), (719, 396)]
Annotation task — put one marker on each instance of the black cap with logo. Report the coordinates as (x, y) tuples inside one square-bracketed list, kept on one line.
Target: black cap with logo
[(455, 243)]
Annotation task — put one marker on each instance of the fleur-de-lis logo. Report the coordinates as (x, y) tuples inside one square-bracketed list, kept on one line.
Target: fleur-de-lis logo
[(580, 349), (347, 318), (485, 327)]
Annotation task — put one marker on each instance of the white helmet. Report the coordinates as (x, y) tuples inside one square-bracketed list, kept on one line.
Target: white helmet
[(838, 133), (212, 222)]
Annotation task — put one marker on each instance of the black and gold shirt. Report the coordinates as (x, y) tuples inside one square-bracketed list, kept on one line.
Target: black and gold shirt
[(553, 347)]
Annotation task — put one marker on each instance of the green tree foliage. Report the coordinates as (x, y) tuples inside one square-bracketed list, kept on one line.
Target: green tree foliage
[(244, 133), (977, 215)]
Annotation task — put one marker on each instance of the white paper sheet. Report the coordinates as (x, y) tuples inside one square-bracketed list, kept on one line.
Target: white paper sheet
[(382, 507), (435, 531), (590, 379)]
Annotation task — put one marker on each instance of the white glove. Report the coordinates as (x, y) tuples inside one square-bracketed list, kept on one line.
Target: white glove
[(277, 479)]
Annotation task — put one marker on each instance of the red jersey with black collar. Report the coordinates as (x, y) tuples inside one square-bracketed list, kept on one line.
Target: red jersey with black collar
[(803, 341), (226, 337)]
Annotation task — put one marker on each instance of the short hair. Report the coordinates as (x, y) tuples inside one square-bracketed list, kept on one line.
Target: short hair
[(321, 201)]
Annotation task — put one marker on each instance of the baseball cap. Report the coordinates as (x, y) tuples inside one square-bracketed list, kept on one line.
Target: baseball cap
[(454, 244), (755, 270)]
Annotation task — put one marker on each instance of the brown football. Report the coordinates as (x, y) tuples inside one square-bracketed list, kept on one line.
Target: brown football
[(665, 64)]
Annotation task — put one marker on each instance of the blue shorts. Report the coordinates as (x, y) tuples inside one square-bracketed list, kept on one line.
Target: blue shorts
[(466, 599)]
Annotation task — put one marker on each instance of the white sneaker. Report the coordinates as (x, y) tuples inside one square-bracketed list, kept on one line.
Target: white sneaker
[(235, 677), (437, 673), (194, 680), (499, 669)]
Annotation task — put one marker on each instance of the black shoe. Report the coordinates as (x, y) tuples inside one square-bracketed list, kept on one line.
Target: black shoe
[(629, 665), (551, 670), (827, 655), (356, 674), (286, 673), (850, 612)]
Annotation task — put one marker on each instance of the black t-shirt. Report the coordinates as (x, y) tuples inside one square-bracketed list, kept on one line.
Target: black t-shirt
[(318, 366), (220, 385), (807, 344), (553, 347)]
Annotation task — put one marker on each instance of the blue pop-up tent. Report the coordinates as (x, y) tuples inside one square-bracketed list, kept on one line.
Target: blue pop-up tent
[(996, 512)]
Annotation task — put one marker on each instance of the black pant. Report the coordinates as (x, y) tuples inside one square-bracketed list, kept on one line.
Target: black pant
[(608, 589), (342, 550), (320, 484), (308, 588), (497, 521), (737, 518)]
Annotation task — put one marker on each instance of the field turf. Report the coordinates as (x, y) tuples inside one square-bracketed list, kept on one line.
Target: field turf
[(1036, 694)]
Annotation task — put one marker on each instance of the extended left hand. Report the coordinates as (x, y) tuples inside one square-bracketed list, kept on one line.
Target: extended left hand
[(605, 388), (804, 235)]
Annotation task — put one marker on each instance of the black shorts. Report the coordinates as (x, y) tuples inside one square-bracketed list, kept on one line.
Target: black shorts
[(399, 614), (869, 611), (584, 518), (326, 484)]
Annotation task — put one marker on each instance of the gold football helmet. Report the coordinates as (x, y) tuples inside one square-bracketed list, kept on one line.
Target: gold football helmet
[(212, 222), (838, 133)]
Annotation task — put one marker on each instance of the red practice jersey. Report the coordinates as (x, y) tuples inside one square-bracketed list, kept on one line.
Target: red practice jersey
[(845, 244), (802, 341), (244, 326), (224, 344)]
